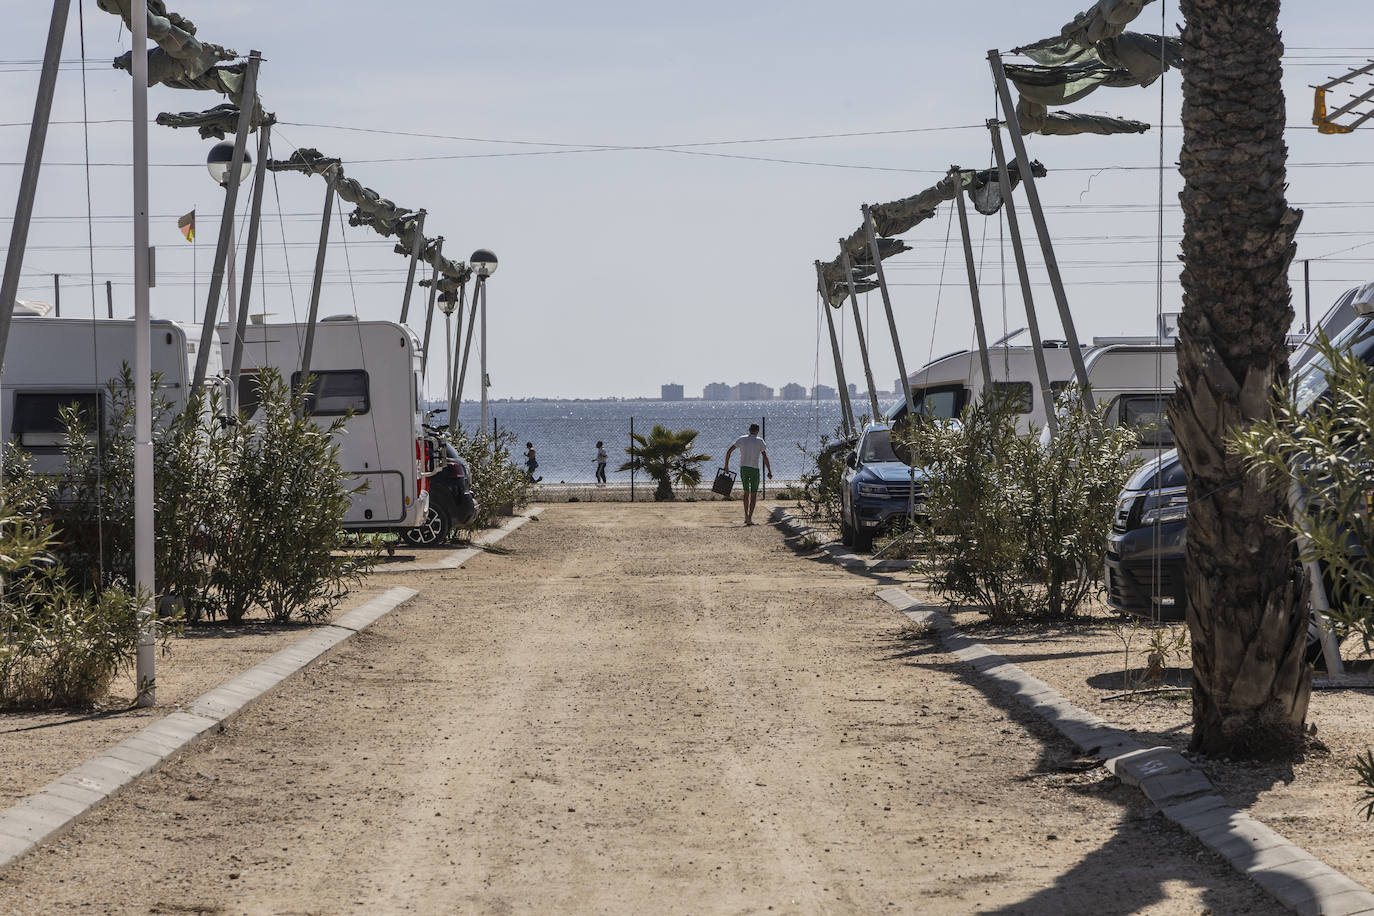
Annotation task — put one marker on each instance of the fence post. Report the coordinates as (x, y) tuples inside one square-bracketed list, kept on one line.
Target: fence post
[(763, 434), (493, 435), (632, 460)]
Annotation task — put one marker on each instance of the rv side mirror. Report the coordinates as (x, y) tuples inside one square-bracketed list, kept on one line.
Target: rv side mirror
[(852, 459)]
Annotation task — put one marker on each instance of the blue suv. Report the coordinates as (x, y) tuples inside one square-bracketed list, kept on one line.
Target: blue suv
[(876, 489)]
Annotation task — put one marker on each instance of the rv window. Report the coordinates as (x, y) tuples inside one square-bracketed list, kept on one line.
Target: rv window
[(335, 392), (943, 403), (1015, 394), (1148, 414), (250, 394), (38, 419)]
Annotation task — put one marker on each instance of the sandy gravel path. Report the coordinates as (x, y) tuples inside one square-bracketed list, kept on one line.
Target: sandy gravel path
[(639, 709)]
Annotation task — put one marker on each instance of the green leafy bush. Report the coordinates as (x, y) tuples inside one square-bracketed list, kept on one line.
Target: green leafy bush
[(667, 457), (496, 481), (59, 645), (822, 482), (1319, 446), (283, 546), (1013, 527)]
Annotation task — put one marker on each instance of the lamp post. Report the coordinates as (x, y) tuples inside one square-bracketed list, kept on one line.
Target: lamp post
[(446, 305), (219, 162), (483, 263)]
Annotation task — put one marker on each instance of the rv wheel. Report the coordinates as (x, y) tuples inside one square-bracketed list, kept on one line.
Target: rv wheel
[(433, 530)]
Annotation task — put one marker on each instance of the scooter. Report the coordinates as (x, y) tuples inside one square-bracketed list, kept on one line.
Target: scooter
[(451, 501)]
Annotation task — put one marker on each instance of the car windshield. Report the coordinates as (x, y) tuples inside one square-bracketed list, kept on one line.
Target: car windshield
[(877, 446), (1312, 383)]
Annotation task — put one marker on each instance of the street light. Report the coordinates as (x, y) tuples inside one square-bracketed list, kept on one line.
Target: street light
[(447, 304), (221, 157), (483, 263), (218, 163)]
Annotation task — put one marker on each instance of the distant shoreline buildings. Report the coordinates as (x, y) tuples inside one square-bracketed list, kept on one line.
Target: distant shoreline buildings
[(757, 391)]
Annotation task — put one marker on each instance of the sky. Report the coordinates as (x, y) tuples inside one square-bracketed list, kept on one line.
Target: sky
[(656, 179)]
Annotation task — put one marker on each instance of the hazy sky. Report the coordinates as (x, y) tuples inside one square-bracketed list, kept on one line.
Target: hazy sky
[(625, 263)]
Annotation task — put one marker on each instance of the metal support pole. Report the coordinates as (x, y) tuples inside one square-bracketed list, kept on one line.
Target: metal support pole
[(249, 262), (1018, 145), (983, 359), (231, 196), (846, 409), (453, 369), (109, 299), (859, 330), (1013, 228), (318, 281), (144, 530), (1307, 295), (429, 309), (33, 161), (467, 350), (57, 295), (873, 251), (632, 467), (763, 434), (481, 290), (416, 243)]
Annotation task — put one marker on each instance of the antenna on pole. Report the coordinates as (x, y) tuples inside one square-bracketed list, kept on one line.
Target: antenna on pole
[(1360, 108)]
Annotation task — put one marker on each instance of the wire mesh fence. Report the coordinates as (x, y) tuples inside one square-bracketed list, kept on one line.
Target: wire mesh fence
[(565, 440)]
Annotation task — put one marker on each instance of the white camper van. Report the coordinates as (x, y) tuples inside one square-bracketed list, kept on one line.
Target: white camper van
[(371, 368), (1134, 378), (53, 362), (945, 386)]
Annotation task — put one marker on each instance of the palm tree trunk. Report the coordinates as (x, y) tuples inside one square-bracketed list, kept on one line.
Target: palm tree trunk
[(1250, 682)]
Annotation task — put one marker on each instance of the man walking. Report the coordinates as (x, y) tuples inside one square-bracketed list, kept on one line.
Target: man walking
[(601, 459), (752, 450)]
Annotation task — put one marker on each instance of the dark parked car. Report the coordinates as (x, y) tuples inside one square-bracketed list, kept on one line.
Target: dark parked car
[(1144, 566), (876, 489)]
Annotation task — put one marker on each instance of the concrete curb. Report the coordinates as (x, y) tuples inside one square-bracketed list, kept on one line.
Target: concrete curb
[(57, 807), (837, 552), (1181, 791), (458, 557)]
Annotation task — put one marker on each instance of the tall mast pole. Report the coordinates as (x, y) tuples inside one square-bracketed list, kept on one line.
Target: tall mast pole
[(859, 329), (972, 268), (144, 531)]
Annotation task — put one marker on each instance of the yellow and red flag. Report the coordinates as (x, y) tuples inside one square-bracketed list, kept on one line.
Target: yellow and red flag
[(187, 225)]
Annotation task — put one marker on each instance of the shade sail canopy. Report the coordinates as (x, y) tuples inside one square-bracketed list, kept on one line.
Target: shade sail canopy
[(984, 189), (182, 61)]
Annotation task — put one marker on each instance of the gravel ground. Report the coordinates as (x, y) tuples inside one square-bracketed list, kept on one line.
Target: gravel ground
[(639, 708)]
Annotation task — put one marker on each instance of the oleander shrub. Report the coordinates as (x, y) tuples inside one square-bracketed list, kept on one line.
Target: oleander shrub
[(1015, 527), (496, 480), (283, 546), (822, 481), (60, 645)]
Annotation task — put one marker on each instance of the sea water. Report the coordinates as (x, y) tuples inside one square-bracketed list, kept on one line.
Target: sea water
[(565, 433)]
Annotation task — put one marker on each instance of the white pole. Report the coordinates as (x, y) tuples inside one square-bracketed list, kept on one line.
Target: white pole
[(143, 393), (482, 288)]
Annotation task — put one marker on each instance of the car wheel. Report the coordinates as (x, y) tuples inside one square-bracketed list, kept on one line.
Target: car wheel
[(433, 530), (863, 540), (846, 533)]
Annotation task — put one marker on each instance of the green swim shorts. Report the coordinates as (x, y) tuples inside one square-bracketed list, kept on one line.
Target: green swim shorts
[(749, 479)]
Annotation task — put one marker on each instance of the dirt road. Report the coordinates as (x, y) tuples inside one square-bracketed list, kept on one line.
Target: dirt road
[(639, 709)]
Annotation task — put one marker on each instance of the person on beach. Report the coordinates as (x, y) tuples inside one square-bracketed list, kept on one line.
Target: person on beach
[(531, 463), (752, 450), (601, 459)]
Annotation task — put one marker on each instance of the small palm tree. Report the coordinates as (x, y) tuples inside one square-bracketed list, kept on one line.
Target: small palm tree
[(667, 457)]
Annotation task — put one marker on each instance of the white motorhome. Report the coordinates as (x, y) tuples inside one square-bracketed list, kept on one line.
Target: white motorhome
[(371, 368), (54, 362), (945, 386), (1133, 377)]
